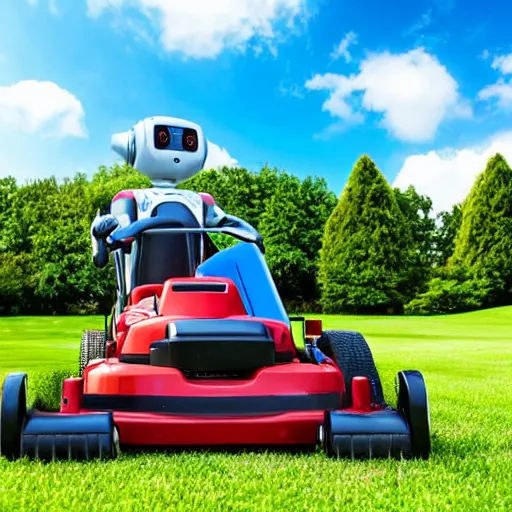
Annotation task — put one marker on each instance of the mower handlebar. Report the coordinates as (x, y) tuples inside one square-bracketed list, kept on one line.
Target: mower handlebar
[(171, 226)]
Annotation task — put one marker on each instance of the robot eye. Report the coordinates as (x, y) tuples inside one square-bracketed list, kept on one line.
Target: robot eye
[(189, 140), (161, 137)]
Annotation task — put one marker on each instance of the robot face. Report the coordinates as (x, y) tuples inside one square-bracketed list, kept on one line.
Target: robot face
[(166, 149), (174, 138)]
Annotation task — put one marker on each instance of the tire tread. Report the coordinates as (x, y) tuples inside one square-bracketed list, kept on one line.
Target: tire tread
[(92, 346), (353, 356)]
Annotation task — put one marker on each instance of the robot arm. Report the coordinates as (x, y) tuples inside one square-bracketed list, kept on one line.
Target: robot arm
[(217, 218), (101, 228)]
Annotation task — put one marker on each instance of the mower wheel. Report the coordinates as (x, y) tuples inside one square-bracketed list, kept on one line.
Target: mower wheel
[(413, 405), (13, 414), (353, 356), (92, 346)]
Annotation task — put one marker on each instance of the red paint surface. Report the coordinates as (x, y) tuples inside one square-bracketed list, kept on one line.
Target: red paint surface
[(281, 429), (115, 378), (72, 392), (124, 194)]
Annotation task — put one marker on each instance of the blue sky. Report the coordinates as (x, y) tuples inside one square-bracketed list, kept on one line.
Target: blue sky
[(424, 88)]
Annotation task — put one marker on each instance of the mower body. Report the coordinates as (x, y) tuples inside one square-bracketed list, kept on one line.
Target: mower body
[(197, 363)]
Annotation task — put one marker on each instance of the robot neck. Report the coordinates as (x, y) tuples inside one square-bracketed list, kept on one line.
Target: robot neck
[(163, 184)]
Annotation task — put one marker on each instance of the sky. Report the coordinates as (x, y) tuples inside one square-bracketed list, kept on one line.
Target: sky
[(424, 88)]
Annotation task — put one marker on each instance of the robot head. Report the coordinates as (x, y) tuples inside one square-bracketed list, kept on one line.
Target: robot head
[(167, 150)]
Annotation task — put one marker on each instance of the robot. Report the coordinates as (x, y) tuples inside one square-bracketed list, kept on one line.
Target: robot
[(168, 151)]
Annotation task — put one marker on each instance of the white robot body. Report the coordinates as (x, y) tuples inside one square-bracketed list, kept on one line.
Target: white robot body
[(168, 150), (148, 199)]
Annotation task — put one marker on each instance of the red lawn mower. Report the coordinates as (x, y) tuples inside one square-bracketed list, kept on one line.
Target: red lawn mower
[(200, 350)]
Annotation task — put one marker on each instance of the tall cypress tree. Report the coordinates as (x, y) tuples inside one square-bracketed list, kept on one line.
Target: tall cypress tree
[(484, 242), (367, 247)]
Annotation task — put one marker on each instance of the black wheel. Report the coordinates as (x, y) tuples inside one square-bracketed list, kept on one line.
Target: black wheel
[(412, 404), (92, 346), (13, 414), (351, 353)]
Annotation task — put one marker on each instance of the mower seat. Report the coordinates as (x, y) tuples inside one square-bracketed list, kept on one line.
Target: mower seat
[(158, 255), (245, 265)]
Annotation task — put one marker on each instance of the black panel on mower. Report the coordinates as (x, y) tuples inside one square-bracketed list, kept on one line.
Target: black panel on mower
[(214, 346)]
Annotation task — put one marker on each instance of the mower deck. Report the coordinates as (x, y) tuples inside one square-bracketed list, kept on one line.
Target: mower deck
[(283, 404)]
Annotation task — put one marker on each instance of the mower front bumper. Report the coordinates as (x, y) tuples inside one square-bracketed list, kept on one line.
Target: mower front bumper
[(89, 434)]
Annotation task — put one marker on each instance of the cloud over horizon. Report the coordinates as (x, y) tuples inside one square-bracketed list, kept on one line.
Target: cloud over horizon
[(31, 106), (447, 175), (412, 92), (218, 157)]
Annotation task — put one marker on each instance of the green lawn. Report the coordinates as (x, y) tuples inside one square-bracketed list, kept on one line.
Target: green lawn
[(467, 363)]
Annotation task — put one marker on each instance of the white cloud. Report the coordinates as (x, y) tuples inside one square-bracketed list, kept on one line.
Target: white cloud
[(423, 22), (413, 92), (502, 89), (341, 50), (485, 54), (290, 89), (30, 106), (218, 157), (448, 175), (503, 63), (203, 29)]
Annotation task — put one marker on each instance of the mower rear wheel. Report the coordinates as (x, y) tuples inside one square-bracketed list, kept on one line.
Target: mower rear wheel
[(92, 346), (13, 414), (351, 353)]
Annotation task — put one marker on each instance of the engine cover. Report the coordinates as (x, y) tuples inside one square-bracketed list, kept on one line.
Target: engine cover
[(214, 346)]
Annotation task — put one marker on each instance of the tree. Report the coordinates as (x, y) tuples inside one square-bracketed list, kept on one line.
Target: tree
[(237, 190), (292, 226), (289, 213), (8, 189), (367, 247), (484, 241), (446, 233), (417, 210), (17, 283), (108, 181)]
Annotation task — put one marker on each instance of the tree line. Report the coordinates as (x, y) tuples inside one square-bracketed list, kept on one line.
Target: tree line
[(375, 249), (382, 251)]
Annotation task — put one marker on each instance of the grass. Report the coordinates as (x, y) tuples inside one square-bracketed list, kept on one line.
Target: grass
[(467, 363)]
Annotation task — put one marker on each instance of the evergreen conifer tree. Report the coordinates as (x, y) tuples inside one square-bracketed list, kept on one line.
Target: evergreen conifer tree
[(484, 242), (367, 247)]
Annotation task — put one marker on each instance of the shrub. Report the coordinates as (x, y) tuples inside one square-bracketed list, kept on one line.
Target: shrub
[(45, 389), (454, 291)]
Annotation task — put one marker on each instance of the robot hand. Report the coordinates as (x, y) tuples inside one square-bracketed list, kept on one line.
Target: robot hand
[(101, 228)]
